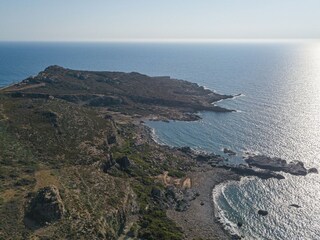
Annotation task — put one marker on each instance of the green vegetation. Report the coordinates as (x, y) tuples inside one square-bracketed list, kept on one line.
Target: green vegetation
[(53, 142), (155, 225), (66, 142), (176, 173)]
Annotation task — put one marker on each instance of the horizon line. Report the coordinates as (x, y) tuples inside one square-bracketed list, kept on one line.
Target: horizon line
[(171, 40)]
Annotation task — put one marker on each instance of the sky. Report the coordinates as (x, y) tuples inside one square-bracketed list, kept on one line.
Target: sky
[(127, 20)]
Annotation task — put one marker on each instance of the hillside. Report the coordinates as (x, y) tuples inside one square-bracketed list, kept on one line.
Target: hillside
[(129, 93), (76, 163)]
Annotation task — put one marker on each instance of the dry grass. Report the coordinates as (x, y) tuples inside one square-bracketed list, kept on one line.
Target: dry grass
[(46, 178), (8, 195)]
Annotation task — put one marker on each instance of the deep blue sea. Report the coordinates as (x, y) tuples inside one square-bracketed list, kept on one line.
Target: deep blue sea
[(278, 114)]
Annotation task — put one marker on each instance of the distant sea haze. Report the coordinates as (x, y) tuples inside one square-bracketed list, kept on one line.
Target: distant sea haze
[(278, 115)]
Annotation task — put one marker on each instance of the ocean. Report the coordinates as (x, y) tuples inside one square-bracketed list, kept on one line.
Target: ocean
[(278, 114)]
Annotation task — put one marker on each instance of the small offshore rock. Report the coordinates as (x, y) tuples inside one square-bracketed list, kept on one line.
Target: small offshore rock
[(185, 149), (295, 205), (313, 170), (229, 152), (277, 164), (263, 212), (235, 237), (239, 224)]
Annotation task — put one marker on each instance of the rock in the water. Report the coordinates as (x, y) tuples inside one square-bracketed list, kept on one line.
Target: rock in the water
[(239, 224), (313, 170), (263, 212), (277, 164), (295, 205), (246, 171), (229, 152), (235, 237), (45, 207), (185, 149)]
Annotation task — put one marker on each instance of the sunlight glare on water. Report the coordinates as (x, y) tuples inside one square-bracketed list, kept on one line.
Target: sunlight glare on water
[(280, 116)]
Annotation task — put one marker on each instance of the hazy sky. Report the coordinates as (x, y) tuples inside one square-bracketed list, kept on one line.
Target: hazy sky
[(98, 20)]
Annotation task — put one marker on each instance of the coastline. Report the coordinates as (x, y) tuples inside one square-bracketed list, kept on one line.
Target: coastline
[(203, 213), (199, 219), (227, 225), (172, 188), (203, 176)]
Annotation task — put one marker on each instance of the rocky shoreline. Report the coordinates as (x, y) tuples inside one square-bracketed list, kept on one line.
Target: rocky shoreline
[(199, 219), (83, 152), (213, 170)]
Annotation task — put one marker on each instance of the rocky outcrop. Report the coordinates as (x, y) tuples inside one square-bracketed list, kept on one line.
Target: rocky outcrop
[(263, 212), (124, 163), (51, 117), (108, 163), (312, 170), (112, 139), (277, 164), (229, 152), (247, 171), (186, 150), (294, 205), (179, 199), (45, 207)]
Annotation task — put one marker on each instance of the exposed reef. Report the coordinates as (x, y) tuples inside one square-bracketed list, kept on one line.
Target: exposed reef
[(278, 164)]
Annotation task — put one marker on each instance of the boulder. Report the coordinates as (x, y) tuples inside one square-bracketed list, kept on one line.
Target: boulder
[(263, 212), (277, 164), (182, 205), (112, 139), (124, 163), (247, 171), (229, 152), (187, 150), (313, 170), (294, 205), (108, 164), (156, 193), (235, 237), (45, 207)]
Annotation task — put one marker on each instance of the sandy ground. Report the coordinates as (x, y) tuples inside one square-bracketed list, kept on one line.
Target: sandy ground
[(199, 221)]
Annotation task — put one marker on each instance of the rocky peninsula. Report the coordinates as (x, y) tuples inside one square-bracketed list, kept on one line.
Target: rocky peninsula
[(77, 161)]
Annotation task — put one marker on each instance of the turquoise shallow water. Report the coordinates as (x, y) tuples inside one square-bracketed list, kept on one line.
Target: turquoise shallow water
[(277, 115)]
